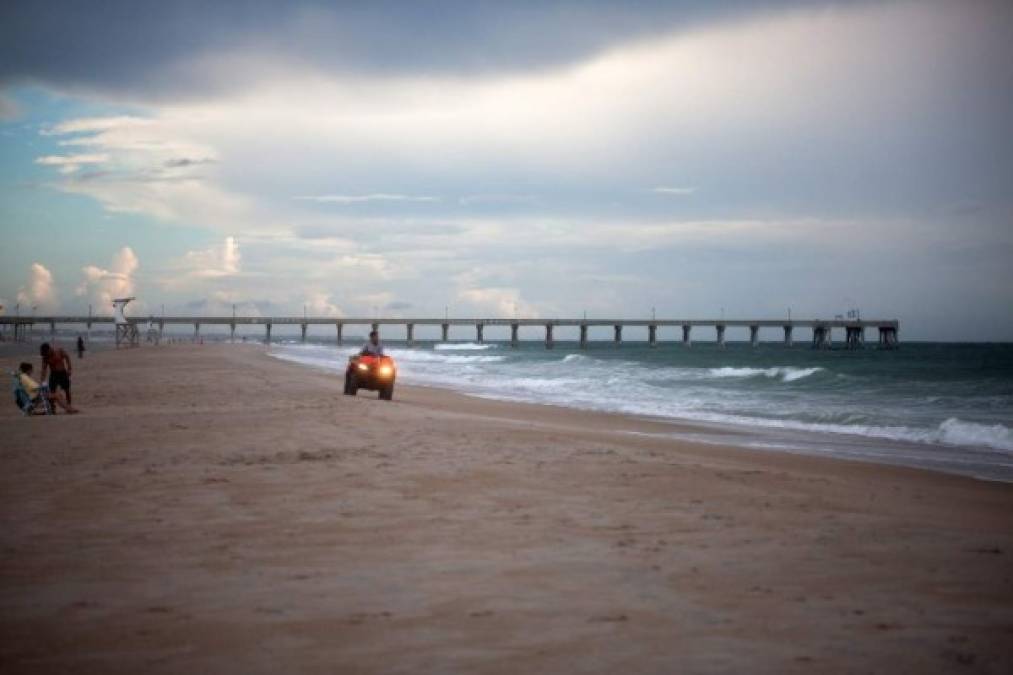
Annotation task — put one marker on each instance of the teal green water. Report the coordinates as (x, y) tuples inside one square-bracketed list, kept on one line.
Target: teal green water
[(934, 405)]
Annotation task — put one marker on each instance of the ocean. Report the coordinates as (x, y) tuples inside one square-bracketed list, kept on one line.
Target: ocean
[(941, 406)]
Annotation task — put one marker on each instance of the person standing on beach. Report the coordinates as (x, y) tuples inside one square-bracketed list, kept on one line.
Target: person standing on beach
[(57, 363), (373, 347), (80, 347)]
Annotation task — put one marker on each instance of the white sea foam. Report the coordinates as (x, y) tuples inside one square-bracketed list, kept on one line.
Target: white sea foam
[(461, 346), (784, 373), (958, 432), (792, 374), (443, 357)]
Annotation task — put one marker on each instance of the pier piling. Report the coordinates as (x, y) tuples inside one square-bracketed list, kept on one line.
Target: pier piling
[(583, 336), (821, 337), (854, 337), (410, 334), (618, 335), (888, 337), (754, 335), (479, 337), (721, 334), (787, 336), (652, 335), (686, 340), (514, 339), (548, 336), (445, 332)]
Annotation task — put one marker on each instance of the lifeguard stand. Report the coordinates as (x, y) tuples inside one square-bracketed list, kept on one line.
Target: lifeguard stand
[(126, 332)]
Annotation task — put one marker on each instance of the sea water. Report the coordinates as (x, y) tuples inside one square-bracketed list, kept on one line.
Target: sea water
[(932, 405)]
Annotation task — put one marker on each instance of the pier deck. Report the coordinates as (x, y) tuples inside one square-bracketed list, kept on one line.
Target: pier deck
[(822, 329)]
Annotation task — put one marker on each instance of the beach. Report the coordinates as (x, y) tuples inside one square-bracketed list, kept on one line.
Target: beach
[(213, 509)]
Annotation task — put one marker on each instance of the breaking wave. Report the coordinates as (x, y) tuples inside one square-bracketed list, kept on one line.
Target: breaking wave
[(783, 373), (461, 346)]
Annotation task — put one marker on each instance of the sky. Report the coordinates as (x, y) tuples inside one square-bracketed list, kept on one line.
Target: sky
[(489, 159)]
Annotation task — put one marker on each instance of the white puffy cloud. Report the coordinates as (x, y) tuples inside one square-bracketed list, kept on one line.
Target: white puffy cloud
[(100, 285), (39, 292), (214, 262), (319, 303), (496, 302)]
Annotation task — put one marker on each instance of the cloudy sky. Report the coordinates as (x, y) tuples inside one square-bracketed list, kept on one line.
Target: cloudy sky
[(544, 158)]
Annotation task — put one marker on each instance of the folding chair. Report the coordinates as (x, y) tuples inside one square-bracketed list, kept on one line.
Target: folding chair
[(39, 405)]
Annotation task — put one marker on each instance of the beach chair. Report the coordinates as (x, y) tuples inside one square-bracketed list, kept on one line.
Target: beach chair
[(27, 404)]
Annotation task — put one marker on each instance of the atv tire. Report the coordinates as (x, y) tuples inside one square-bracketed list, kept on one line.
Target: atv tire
[(387, 393), (351, 386)]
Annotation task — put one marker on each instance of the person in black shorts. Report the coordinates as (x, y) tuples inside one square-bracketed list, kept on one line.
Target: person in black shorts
[(57, 363)]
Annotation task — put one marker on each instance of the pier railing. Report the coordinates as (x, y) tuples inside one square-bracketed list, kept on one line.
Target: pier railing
[(822, 329)]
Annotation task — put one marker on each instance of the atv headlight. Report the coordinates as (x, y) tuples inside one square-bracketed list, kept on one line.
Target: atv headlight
[(363, 366), (386, 371)]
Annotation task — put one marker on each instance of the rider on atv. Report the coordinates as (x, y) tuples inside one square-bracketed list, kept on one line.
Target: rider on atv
[(373, 347), (371, 369)]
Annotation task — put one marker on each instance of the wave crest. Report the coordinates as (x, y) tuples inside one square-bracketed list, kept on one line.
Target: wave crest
[(460, 346), (784, 373), (958, 432)]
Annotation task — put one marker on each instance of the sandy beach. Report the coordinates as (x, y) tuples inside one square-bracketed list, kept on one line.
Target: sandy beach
[(216, 510)]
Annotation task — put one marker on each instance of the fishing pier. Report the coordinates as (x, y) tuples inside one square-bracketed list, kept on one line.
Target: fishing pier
[(853, 331)]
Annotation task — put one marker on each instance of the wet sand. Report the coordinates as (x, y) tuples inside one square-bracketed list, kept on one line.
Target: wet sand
[(216, 510)]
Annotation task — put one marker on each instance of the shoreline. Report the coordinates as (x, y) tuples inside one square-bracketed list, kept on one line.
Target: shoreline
[(979, 462), (743, 436), (216, 509)]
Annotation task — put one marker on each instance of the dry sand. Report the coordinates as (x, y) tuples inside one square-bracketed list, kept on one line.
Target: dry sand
[(214, 510)]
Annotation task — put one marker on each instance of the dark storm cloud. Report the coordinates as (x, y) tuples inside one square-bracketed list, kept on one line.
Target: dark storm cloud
[(163, 49)]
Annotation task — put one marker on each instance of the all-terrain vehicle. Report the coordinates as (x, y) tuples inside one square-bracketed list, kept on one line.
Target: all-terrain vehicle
[(375, 373)]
